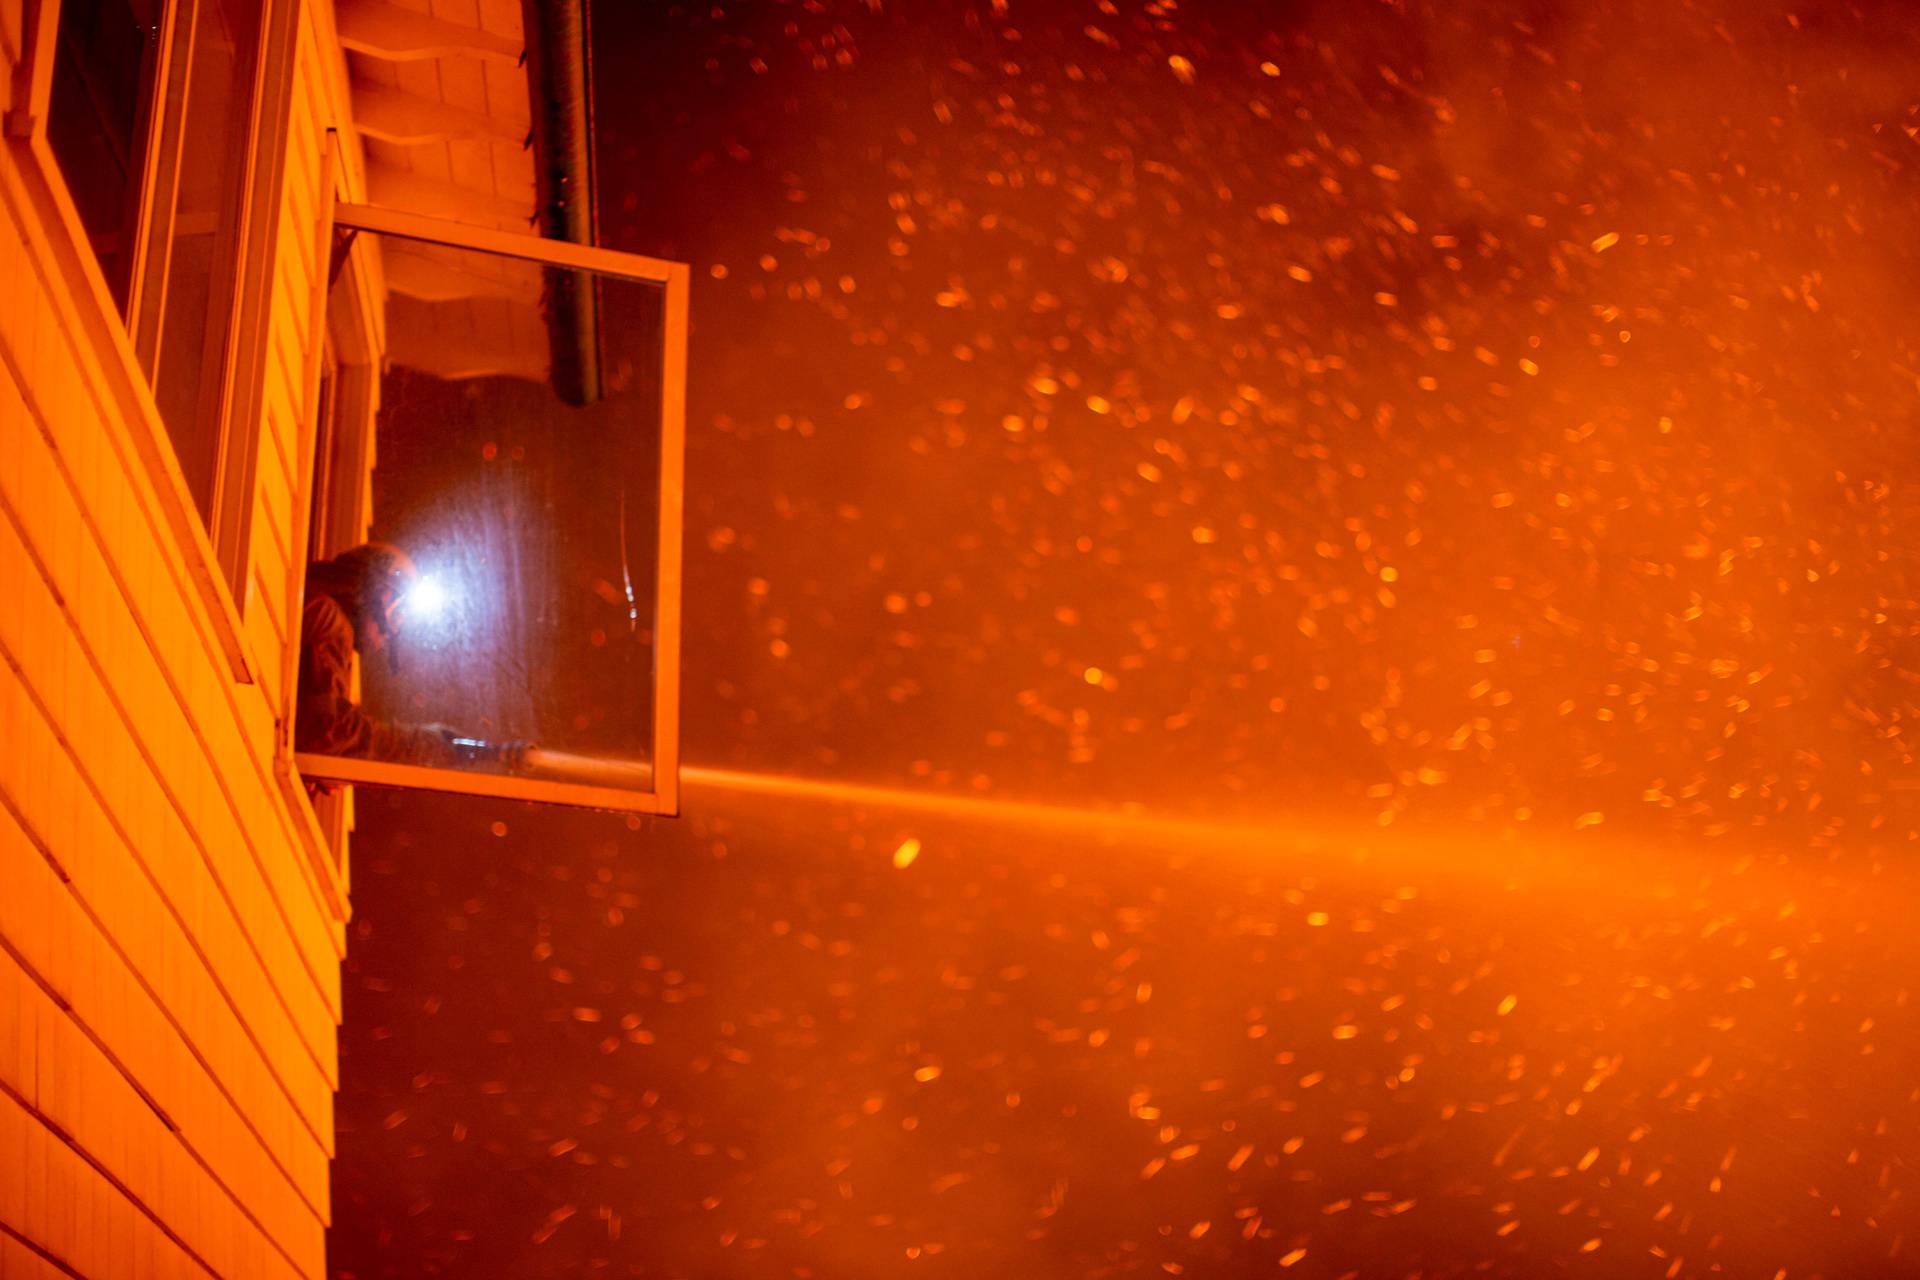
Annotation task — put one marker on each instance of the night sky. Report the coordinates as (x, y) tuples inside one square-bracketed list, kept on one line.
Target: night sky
[(1464, 454)]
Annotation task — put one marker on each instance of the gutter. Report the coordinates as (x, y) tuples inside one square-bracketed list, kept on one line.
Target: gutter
[(559, 87)]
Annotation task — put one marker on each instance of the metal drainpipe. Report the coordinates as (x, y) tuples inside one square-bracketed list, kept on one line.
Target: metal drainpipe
[(560, 88)]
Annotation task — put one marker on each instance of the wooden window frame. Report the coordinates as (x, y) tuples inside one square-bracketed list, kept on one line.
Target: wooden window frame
[(675, 280), (324, 836), (217, 548)]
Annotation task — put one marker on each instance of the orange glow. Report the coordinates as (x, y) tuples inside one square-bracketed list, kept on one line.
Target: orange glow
[(919, 800), (1364, 562)]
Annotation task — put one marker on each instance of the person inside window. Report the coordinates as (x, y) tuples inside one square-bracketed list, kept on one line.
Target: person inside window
[(356, 601)]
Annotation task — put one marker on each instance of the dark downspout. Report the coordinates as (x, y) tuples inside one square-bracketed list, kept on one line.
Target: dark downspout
[(559, 84)]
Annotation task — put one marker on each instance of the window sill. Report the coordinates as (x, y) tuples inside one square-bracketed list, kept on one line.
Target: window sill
[(329, 867), (378, 773)]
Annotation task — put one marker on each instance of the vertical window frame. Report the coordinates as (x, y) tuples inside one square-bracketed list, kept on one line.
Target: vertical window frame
[(323, 833), (241, 390)]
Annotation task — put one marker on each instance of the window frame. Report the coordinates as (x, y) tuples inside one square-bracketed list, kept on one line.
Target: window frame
[(324, 829), (217, 547), (675, 279)]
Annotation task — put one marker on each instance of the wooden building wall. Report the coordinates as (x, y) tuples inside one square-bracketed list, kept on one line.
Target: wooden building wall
[(169, 940)]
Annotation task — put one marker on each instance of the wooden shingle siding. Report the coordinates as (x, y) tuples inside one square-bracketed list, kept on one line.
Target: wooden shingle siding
[(169, 958), (154, 906), (88, 1100), (153, 762)]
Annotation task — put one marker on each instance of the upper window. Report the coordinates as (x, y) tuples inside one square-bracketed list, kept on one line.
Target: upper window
[(105, 58), (152, 120), (185, 290)]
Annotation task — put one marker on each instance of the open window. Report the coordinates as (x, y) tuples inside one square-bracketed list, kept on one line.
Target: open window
[(519, 439)]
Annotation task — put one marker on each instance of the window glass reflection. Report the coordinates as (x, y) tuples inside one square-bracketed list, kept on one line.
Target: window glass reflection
[(97, 124), (503, 620)]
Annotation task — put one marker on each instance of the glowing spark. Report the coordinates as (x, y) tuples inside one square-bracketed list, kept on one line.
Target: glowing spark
[(909, 850)]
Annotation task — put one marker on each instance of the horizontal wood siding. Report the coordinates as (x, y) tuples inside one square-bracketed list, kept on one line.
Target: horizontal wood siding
[(169, 963)]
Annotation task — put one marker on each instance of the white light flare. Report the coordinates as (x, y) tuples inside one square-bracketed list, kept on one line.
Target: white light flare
[(427, 599)]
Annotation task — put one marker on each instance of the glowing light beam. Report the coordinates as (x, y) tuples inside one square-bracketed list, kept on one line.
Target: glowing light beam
[(1128, 820)]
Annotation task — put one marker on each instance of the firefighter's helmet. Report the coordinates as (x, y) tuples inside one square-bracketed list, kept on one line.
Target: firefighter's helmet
[(370, 582)]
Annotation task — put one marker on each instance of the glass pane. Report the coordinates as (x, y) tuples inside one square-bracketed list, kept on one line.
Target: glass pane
[(195, 258), (517, 467), (97, 121)]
